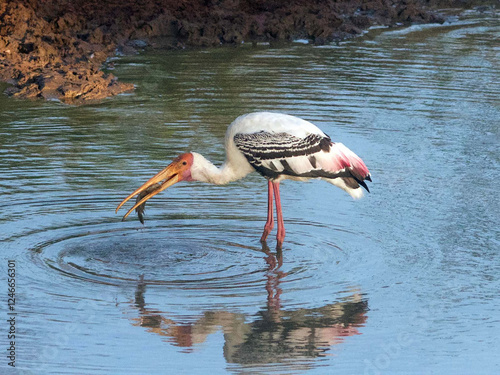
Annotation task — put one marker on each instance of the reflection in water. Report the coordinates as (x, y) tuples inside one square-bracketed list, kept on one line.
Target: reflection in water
[(275, 335)]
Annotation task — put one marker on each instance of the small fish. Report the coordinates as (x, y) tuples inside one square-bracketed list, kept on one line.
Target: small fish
[(141, 208)]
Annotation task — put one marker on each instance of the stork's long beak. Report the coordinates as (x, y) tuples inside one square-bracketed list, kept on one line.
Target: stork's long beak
[(156, 184)]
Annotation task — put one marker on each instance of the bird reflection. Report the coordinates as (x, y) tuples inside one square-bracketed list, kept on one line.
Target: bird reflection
[(274, 335)]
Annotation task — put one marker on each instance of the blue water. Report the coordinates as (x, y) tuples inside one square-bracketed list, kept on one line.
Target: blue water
[(404, 281)]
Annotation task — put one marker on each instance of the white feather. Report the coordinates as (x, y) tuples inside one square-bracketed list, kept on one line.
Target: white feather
[(300, 164), (355, 193), (272, 123)]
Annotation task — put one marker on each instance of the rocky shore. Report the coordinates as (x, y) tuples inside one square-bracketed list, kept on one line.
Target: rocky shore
[(55, 49)]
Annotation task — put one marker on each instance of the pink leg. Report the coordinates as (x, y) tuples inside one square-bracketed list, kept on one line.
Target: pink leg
[(270, 222), (281, 225)]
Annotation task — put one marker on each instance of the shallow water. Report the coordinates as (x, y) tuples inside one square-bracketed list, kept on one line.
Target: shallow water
[(403, 281)]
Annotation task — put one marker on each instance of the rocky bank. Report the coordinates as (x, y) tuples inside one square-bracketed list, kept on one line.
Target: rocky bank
[(54, 49)]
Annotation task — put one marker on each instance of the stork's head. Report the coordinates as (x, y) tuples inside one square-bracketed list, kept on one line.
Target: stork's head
[(178, 170)]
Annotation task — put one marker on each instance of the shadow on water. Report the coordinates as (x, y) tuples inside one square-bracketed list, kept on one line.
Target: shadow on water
[(274, 335)]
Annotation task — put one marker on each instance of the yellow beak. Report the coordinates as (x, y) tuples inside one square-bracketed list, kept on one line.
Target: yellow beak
[(156, 184)]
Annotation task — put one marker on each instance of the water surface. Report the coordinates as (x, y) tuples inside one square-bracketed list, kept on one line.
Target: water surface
[(403, 281)]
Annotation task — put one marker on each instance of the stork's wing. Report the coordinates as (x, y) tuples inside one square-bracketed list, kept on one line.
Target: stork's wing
[(314, 156)]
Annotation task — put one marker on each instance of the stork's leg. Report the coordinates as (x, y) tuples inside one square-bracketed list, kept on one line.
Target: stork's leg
[(281, 225), (270, 222)]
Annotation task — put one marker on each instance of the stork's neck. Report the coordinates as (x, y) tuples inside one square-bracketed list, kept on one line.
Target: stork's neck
[(203, 170)]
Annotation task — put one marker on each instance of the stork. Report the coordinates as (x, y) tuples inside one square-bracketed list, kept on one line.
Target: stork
[(279, 147)]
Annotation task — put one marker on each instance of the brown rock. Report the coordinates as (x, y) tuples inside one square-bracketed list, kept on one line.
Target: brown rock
[(55, 48)]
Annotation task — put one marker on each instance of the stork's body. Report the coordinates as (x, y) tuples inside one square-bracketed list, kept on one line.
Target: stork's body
[(277, 146)]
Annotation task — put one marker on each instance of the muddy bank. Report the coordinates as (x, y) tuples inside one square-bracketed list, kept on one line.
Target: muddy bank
[(54, 49)]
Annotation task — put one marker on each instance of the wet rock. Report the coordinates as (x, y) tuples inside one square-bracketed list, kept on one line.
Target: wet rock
[(55, 48)]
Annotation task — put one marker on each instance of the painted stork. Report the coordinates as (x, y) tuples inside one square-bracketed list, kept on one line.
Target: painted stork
[(277, 146)]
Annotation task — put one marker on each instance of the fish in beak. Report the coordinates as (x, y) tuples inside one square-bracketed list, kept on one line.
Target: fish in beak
[(178, 170)]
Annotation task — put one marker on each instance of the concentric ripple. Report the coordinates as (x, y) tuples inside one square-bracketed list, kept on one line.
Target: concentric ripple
[(165, 258), (200, 258)]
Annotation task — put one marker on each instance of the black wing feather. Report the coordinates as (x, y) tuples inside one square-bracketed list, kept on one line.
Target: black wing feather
[(263, 146)]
